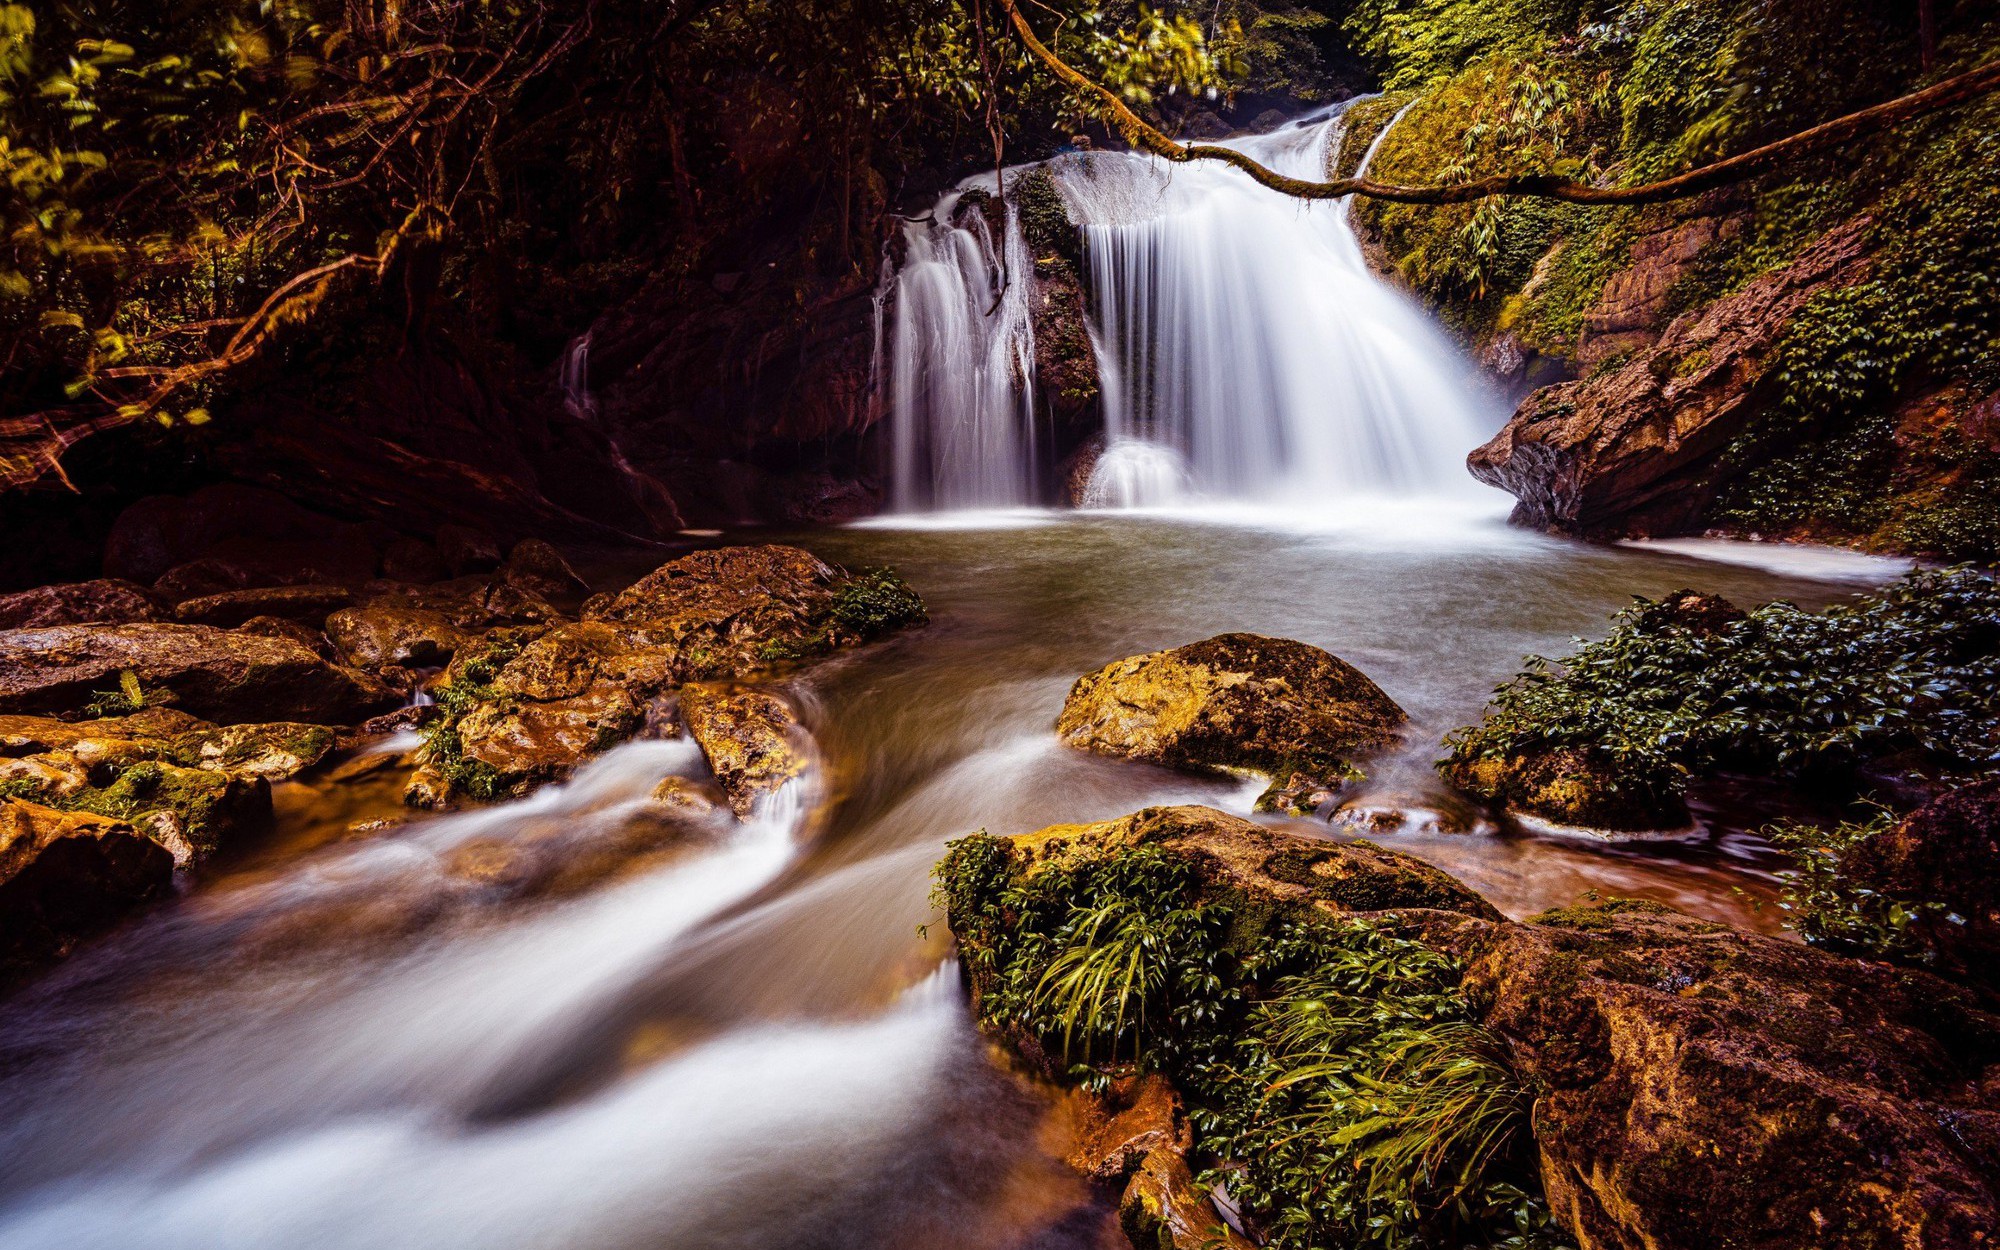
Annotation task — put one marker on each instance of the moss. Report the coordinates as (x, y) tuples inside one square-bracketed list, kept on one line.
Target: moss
[(1045, 222)]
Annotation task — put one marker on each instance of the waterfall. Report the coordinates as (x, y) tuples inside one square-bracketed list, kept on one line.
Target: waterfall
[(1241, 332), (575, 382), (959, 362)]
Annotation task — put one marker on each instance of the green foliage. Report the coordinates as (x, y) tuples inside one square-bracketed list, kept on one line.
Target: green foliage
[(470, 685), (124, 701), (1803, 695), (1339, 1085), (874, 602), (1829, 907)]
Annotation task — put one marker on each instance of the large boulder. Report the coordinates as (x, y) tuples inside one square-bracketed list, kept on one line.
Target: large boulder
[(1945, 858), (1635, 449), (1701, 1087), (65, 876), (727, 608), (1267, 871), (108, 600), (752, 739), (215, 674), (506, 745), (1238, 701), (1575, 787), (539, 569), (381, 634)]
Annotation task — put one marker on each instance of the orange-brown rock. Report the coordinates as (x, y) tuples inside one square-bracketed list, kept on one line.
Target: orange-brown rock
[(1237, 701), (1631, 309), (1136, 1135), (1702, 1087), (752, 739), (107, 600), (382, 634), (65, 876), (308, 605), (1634, 450)]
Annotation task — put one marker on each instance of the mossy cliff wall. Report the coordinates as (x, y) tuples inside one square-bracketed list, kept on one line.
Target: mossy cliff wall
[(1847, 379)]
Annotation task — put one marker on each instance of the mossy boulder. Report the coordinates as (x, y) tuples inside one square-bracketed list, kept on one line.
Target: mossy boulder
[(1264, 872), (1289, 711), (1703, 1087), (1943, 861), (752, 739), (65, 876), (1577, 787), (505, 745)]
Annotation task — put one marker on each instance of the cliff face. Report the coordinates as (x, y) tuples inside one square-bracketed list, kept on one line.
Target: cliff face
[(1804, 356)]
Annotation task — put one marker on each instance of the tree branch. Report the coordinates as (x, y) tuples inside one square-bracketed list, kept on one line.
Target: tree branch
[(1841, 130)]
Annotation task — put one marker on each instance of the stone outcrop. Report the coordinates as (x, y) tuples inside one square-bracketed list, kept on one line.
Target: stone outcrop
[(1945, 854), (1634, 450), (107, 600), (1267, 870), (752, 740), (1632, 308), (1701, 1087), (65, 876), (1289, 711), (216, 674)]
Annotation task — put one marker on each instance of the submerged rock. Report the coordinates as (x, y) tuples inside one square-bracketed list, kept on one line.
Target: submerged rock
[(752, 739), (1701, 1087), (1238, 701), (215, 674), (65, 876)]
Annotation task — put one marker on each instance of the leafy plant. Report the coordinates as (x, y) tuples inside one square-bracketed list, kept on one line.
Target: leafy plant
[(1830, 907), (124, 701)]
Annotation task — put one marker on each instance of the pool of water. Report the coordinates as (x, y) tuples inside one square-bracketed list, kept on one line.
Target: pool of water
[(554, 1024)]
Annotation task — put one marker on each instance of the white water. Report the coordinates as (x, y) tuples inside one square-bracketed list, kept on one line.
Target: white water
[(1246, 351), (1241, 331), (958, 362)]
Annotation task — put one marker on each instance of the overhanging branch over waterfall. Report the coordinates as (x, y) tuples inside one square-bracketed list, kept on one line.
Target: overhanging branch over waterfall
[(1821, 138)]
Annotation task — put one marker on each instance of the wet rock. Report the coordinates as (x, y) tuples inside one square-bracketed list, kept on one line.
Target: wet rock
[(1238, 701), (271, 752), (308, 605), (683, 796), (429, 789), (1632, 307), (1136, 1134), (1266, 868), (1635, 449), (278, 627), (476, 603), (382, 634), (49, 774), (568, 660), (724, 609), (539, 569), (752, 739), (1578, 787), (508, 745), (66, 876), (1700, 1087), (215, 674), (1946, 854), (108, 600), (464, 550)]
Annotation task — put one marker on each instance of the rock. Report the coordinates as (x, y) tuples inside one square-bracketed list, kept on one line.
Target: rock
[(247, 534), (1237, 701), (199, 579), (107, 600), (209, 809), (464, 550), (66, 876), (1701, 1087), (48, 775), (408, 559), (570, 659), (430, 789), (381, 634), (1574, 786), (515, 744), (1948, 853), (682, 796), (1136, 1134), (474, 603), (215, 674), (1269, 869), (752, 739), (539, 569), (278, 627), (308, 605), (1635, 450), (271, 752), (1632, 307), (724, 608)]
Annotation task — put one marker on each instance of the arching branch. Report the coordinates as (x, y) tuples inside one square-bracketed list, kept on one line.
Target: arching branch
[(1824, 137)]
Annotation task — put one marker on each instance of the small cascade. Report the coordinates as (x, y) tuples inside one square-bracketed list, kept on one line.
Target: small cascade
[(1242, 331), (956, 362), (577, 399), (1135, 473)]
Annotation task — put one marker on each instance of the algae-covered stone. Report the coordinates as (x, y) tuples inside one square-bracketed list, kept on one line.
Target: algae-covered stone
[(752, 739), (1270, 869), (1238, 701), (509, 744), (380, 634), (1702, 1087), (1577, 787)]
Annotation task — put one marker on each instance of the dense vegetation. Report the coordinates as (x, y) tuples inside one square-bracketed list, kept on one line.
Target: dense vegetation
[(1340, 1088), (1907, 681)]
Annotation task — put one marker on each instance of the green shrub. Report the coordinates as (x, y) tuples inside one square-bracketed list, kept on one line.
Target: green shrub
[(1796, 694), (1829, 907)]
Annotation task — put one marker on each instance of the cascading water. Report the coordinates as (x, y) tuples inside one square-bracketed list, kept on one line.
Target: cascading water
[(958, 363), (1241, 331)]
